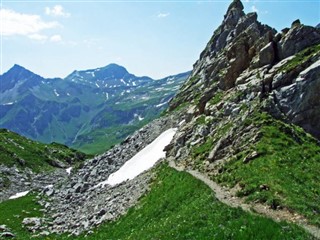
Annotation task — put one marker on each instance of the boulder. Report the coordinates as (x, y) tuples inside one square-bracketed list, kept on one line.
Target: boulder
[(7, 235), (32, 224), (267, 54), (297, 39)]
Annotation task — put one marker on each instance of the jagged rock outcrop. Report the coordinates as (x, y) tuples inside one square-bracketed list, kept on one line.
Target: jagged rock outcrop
[(234, 47), (296, 39), (300, 100), (243, 52)]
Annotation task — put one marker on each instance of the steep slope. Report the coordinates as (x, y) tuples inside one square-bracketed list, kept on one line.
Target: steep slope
[(26, 164), (90, 110), (250, 91)]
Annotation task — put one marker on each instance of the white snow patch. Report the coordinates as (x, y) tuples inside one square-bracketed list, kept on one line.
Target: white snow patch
[(138, 116), (68, 170), (142, 161), (107, 96), (9, 103), (92, 74), (121, 80), (134, 84), (97, 85), (128, 91), (56, 93), (106, 85), (19, 194), (161, 104)]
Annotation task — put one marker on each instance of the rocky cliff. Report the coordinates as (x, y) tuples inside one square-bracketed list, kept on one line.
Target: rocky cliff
[(242, 108), (248, 65)]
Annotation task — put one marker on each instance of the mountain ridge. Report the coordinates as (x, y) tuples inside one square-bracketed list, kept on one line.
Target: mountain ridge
[(82, 104)]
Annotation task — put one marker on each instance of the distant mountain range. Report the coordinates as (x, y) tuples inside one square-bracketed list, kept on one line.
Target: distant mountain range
[(88, 110)]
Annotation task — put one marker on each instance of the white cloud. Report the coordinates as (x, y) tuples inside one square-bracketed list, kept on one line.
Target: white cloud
[(14, 23), (57, 11), (38, 37), (56, 38), (254, 9), (163, 15)]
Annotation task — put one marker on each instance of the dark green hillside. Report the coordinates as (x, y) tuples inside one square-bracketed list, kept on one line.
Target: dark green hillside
[(23, 152)]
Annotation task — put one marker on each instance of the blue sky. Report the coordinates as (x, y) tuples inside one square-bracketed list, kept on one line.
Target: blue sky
[(153, 38)]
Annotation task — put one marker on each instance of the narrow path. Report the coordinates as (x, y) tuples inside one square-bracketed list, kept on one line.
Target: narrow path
[(224, 196)]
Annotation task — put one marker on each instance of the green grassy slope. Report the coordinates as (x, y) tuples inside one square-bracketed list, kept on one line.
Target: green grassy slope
[(178, 207), (286, 164), (23, 152), (14, 211)]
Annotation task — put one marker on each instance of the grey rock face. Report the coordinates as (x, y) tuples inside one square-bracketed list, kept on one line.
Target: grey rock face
[(233, 48), (267, 55), (296, 39), (300, 100)]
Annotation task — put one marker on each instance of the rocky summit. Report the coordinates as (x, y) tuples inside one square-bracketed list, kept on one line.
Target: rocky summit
[(249, 65), (246, 125)]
